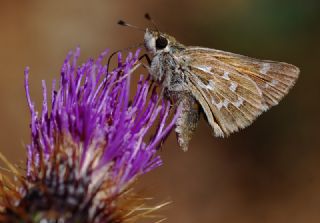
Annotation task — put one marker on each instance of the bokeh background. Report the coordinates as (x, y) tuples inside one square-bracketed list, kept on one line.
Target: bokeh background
[(269, 172)]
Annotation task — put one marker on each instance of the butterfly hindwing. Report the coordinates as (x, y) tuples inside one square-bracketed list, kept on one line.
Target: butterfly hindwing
[(234, 102)]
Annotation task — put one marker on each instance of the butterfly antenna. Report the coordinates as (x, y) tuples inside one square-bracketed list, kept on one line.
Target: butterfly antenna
[(119, 51), (123, 23), (148, 17)]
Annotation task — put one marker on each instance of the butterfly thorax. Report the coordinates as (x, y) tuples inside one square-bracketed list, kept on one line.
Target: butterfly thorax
[(167, 66)]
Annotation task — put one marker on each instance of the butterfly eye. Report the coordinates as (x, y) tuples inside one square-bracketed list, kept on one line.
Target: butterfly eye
[(161, 43)]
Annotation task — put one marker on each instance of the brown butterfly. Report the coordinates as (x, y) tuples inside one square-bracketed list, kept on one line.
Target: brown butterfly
[(232, 90)]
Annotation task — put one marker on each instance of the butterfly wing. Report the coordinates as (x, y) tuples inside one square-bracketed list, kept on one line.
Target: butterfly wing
[(233, 89)]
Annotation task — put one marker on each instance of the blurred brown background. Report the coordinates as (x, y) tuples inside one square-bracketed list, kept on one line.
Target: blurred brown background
[(269, 172)]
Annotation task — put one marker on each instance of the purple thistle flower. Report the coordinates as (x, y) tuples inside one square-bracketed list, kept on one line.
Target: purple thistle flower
[(87, 145)]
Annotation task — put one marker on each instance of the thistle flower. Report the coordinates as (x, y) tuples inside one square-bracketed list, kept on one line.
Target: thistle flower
[(88, 145)]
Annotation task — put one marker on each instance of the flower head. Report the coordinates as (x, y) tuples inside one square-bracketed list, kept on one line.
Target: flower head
[(88, 145)]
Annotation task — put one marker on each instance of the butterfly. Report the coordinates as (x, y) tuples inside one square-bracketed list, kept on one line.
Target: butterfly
[(230, 89)]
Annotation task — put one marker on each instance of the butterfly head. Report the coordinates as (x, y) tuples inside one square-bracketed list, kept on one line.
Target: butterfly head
[(157, 42)]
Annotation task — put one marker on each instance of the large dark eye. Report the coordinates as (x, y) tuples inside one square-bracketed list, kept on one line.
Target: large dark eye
[(161, 43)]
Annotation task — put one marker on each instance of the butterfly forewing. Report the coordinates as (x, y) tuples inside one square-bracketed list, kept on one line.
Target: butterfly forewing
[(273, 78), (233, 89)]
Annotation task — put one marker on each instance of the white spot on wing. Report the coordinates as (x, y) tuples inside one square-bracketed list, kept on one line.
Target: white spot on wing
[(225, 103), (221, 104), (226, 75), (233, 86), (239, 102), (274, 82), (210, 86), (265, 68), (204, 68)]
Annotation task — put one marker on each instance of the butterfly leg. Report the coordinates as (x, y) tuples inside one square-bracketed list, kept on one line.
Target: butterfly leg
[(188, 120)]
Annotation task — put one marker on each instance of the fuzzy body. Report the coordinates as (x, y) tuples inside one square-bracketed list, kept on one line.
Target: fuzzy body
[(170, 68)]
